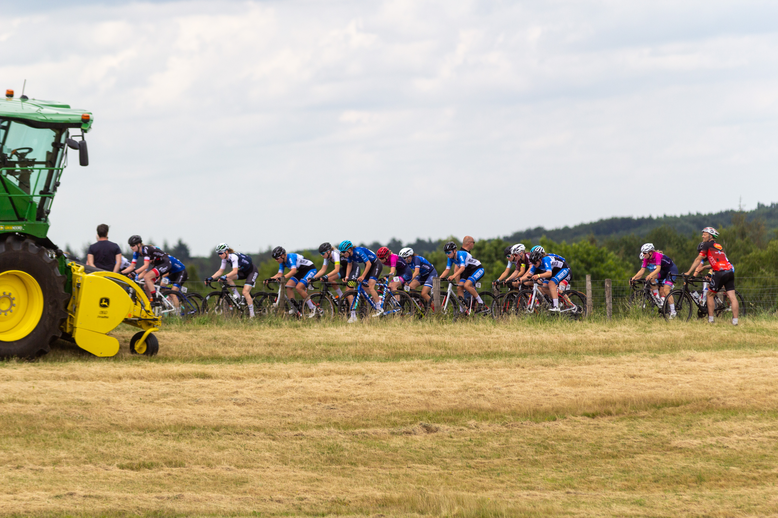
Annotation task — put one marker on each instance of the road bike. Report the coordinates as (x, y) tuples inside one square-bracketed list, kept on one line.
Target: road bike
[(228, 301), (642, 298), (691, 297), (572, 303), (456, 307), (396, 304)]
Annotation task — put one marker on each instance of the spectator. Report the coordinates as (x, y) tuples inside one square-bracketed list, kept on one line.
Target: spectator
[(104, 254)]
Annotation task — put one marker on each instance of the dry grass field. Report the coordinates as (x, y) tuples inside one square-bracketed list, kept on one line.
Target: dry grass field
[(629, 418)]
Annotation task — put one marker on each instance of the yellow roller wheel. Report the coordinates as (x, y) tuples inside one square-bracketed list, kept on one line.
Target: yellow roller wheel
[(21, 305)]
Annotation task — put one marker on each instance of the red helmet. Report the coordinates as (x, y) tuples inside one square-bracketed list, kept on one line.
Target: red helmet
[(383, 253)]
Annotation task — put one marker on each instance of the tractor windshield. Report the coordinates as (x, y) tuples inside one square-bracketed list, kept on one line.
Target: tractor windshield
[(30, 160)]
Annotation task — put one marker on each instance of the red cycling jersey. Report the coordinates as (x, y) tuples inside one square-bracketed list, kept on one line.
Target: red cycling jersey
[(715, 255)]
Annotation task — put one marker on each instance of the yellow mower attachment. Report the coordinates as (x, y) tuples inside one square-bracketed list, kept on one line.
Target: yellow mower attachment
[(100, 302)]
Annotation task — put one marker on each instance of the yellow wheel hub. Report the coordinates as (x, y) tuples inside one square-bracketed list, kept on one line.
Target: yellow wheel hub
[(21, 305)]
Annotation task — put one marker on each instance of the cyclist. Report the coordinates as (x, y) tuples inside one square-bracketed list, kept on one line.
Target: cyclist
[(156, 263), (242, 268), (551, 270), (397, 268), (664, 272), (422, 272), (517, 258), (723, 276), (468, 272), (338, 268), (355, 255), (301, 271)]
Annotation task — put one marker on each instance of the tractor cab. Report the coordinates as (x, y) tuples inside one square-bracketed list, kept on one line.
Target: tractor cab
[(34, 137)]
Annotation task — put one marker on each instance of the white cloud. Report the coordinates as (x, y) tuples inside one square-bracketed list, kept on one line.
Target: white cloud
[(266, 123)]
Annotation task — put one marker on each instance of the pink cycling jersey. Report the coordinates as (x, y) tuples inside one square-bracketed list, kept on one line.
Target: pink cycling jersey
[(391, 261), (656, 258)]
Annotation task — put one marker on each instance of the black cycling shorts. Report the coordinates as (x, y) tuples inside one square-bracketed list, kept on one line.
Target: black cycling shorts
[(179, 277), (724, 279), (375, 271), (163, 267), (354, 271), (249, 275)]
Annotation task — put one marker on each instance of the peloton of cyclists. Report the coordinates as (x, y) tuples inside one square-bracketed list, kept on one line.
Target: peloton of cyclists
[(723, 275), (301, 271), (551, 270), (467, 273), (243, 268), (663, 272)]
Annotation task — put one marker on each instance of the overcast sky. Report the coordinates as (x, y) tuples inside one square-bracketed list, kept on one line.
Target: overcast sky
[(297, 122)]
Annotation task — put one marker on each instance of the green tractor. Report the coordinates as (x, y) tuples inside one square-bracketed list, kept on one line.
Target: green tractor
[(43, 295)]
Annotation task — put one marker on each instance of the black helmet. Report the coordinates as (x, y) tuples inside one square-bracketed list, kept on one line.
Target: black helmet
[(135, 240), (324, 248), (507, 251), (278, 252), (449, 247)]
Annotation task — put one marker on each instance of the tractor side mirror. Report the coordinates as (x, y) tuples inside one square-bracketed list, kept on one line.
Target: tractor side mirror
[(83, 154)]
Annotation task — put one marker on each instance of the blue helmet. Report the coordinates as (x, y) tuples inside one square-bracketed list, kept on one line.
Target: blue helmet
[(346, 245), (536, 253)]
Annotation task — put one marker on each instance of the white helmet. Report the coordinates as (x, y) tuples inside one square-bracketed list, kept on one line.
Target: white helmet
[(222, 247), (647, 248), (406, 252), (517, 249)]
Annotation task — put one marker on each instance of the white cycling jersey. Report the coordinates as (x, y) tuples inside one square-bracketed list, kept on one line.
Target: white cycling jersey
[(335, 258)]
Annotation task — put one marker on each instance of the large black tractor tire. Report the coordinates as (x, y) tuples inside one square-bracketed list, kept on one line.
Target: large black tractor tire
[(20, 335)]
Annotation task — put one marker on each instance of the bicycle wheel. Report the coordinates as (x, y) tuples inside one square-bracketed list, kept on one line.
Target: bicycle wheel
[(324, 307), (344, 307), (196, 299), (449, 305), (217, 303), (186, 308), (399, 304), (572, 304), (419, 300), (724, 305), (684, 305), (642, 300)]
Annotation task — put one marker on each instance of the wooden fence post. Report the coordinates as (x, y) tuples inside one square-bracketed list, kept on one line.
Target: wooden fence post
[(281, 298), (436, 293), (589, 301), (608, 298)]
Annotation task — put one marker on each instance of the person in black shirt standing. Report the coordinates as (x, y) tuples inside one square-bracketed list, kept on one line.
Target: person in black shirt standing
[(104, 254)]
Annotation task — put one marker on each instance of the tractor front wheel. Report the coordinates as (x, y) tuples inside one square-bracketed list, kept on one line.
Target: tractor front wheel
[(32, 298), (149, 347)]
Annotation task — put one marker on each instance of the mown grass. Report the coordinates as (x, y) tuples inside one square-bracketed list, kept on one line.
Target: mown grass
[(627, 418)]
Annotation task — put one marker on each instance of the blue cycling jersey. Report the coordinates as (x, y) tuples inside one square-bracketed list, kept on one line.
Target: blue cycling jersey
[(177, 266), (361, 255), (550, 263), (463, 258), (295, 261), (424, 266)]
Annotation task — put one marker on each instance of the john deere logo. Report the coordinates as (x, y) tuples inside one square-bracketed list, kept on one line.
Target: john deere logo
[(105, 302)]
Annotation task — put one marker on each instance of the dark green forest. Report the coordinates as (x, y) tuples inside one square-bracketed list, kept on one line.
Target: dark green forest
[(605, 249)]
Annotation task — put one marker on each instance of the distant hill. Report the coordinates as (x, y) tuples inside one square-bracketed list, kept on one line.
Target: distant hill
[(618, 227)]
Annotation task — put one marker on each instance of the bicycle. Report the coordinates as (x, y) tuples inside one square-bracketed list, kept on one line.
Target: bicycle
[(512, 301), (226, 303), (456, 307), (325, 303), (391, 303), (642, 297), (686, 300), (164, 302), (572, 303)]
